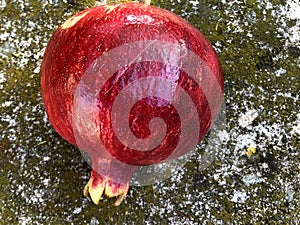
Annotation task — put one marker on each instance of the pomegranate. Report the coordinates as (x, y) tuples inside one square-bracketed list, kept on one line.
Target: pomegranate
[(131, 85)]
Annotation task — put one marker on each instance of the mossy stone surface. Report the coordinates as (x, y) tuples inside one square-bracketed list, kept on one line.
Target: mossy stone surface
[(42, 176)]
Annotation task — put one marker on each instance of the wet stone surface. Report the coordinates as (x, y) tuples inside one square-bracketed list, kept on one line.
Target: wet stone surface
[(255, 177)]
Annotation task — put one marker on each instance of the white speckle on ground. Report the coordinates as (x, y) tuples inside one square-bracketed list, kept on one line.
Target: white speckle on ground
[(289, 194), (94, 221), (2, 4), (2, 78), (23, 220), (37, 197), (280, 72), (239, 197), (77, 210), (294, 13), (245, 141), (296, 126), (252, 179), (247, 118), (7, 118), (46, 182), (6, 103), (46, 158)]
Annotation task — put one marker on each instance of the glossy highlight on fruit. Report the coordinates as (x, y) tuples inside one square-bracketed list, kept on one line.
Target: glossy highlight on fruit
[(131, 85)]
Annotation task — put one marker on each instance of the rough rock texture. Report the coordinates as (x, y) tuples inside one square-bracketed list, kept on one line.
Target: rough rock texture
[(261, 66)]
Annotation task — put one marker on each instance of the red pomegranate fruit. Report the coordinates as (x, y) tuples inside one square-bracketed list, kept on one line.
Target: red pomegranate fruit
[(131, 85)]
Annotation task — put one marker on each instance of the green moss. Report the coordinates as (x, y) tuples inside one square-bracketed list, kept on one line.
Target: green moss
[(82, 3)]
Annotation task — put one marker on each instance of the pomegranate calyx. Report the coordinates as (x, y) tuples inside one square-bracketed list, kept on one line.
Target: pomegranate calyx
[(99, 185)]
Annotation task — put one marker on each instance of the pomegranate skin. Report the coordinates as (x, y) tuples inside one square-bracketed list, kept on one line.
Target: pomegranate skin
[(77, 44)]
